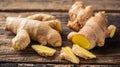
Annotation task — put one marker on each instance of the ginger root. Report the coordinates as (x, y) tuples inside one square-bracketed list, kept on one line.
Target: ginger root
[(94, 32), (49, 19), (67, 54), (44, 50), (79, 14), (81, 52), (36, 30), (21, 41), (42, 17)]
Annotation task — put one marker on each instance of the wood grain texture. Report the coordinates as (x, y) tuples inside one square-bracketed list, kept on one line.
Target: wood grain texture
[(51, 65), (55, 5), (109, 54)]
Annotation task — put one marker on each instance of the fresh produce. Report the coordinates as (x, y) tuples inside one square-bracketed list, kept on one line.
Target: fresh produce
[(81, 52), (94, 32), (79, 14), (42, 31), (67, 54), (44, 50), (49, 19)]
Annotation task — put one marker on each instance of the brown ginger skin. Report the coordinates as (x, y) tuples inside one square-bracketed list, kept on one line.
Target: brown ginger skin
[(51, 20), (41, 17), (33, 29), (79, 14), (21, 40), (94, 32)]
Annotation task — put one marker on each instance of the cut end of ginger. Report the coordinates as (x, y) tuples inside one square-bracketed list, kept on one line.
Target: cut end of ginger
[(81, 40), (44, 50), (113, 30), (81, 52), (67, 54), (59, 26)]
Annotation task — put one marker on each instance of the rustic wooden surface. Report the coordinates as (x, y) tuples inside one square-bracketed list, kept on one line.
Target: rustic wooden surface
[(109, 54)]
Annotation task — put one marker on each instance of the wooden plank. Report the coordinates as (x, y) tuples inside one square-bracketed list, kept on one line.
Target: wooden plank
[(109, 54), (50, 65), (55, 5)]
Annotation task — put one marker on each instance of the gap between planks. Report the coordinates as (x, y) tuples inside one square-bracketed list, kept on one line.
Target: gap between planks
[(37, 10)]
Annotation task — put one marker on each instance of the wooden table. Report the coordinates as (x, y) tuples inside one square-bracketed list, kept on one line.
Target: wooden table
[(107, 55)]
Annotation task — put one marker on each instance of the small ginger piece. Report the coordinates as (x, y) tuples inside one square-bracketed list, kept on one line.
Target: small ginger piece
[(112, 30), (52, 21), (81, 52), (27, 29), (79, 14), (44, 50), (21, 41), (42, 17), (93, 32), (67, 54)]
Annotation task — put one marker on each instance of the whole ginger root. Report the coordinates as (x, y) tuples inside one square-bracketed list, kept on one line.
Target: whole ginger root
[(45, 32), (79, 14), (94, 32)]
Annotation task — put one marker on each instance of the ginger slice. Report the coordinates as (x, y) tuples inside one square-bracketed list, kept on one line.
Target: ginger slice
[(81, 52), (44, 50), (67, 54)]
